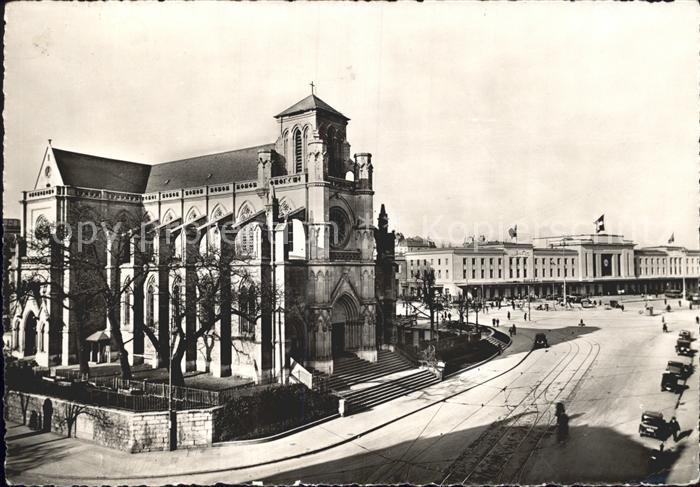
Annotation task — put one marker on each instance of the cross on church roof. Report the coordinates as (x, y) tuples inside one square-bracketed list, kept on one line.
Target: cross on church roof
[(312, 87)]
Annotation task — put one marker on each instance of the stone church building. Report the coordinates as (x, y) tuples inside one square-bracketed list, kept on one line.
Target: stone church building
[(300, 211)]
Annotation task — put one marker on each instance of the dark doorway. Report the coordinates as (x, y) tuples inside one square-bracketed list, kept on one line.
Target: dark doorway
[(48, 414), (338, 338), (30, 335)]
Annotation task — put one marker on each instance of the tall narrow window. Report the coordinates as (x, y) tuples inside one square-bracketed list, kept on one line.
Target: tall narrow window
[(298, 152), (150, 297), (126, 311)]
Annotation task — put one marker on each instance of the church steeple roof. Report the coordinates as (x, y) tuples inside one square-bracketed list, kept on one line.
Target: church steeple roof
[(311, 102)]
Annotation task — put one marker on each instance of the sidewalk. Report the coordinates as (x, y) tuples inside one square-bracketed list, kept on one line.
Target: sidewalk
[(49, 458)]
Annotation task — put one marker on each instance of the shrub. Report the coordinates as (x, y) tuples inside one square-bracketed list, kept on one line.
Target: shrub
[(272, 411)]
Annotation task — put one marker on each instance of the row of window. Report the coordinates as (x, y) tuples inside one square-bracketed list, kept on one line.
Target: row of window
[(247, 306)]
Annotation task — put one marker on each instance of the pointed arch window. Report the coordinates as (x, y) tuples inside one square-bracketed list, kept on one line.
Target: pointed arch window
[(298, 151), (150, 305), (126, 309), (247, 302), (246, 237)]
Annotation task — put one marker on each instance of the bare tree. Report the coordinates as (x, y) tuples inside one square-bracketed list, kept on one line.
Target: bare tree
[(224, 287), (84, 251)]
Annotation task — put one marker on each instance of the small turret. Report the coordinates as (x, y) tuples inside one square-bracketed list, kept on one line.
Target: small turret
[(364, 169), (264, 168)]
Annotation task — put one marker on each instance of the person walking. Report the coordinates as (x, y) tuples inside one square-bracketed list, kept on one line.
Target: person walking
[(675, 428), (493, 322), (525, 317), (514, 330), (697, 320), (679, 304), (508, 315), (498, 322)]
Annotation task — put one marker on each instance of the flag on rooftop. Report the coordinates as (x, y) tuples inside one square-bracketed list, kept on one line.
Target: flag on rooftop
[(600, 224)]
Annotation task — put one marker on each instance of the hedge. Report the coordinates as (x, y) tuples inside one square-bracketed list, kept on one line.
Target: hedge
[(272, 411)]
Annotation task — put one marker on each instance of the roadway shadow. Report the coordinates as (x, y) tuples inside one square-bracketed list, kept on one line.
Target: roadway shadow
[(25, 456), (590, 454), (23, 435)]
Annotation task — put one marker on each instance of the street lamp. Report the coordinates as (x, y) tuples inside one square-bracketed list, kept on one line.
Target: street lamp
[(171, 413)]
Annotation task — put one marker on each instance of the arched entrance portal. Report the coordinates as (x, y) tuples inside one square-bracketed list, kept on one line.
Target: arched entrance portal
[(296, 339), (30, 335), (345, 321)]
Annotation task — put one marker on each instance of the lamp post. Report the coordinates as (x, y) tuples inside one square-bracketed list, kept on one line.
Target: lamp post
[(171, 413)]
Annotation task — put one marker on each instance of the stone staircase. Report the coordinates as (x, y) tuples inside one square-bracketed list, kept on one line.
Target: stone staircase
[(349, 370), (365, 384), (368, 397)]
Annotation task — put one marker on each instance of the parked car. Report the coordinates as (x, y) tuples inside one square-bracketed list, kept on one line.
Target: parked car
[(541, 341), (682, 370), (685, 335), (683, 347), (653, 425), (669, 381)]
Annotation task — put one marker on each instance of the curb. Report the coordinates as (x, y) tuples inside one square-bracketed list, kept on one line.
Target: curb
[(349, 439)]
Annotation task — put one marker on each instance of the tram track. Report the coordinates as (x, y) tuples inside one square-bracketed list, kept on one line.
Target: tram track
[(487, 465), (396, 464), (308, 453)]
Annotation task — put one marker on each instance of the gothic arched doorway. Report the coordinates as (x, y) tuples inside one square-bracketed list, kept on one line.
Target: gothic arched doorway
[(30, 334), (344, 321)]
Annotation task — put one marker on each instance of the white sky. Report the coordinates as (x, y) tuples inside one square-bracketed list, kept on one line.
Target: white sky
[(478, 115)]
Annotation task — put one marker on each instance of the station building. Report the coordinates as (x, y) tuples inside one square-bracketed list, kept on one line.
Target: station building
[(596, 264)]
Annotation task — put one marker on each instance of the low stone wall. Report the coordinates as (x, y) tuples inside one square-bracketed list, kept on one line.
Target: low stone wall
[(124, 430)]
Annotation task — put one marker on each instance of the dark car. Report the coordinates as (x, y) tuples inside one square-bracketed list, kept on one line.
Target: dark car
[(683, 347), (682, 370), (685, 335), (541, 341), (653, 425), (669, 382)]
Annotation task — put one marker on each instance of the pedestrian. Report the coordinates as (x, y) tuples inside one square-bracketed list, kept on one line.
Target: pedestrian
[(525, 317), (509, 315), (697, 320), (498, 322), (493, 321), (622, 307), (663, 320), (514, 330), (679, 303), (675, 428), (449, 316), (665, 301), (499, 305)]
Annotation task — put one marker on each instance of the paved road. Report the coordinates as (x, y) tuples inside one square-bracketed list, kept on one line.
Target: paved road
[(496, 431)]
